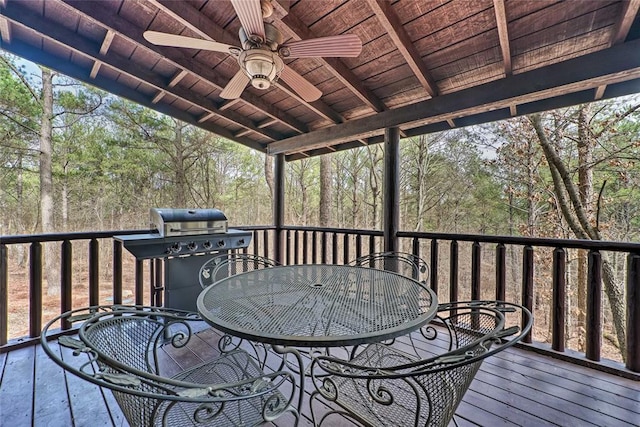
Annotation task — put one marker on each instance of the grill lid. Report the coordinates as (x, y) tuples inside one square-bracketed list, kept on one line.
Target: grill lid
[(187, 222)]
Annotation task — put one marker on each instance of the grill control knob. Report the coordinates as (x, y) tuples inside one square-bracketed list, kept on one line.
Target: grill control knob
[(221, 243), (175, 248), (241, 242), (192, 246), (207, 245)]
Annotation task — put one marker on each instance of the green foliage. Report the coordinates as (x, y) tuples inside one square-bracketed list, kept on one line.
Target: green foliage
[(113, 160)]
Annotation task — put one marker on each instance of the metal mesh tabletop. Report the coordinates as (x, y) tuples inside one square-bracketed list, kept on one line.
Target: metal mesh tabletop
[(317, 305)]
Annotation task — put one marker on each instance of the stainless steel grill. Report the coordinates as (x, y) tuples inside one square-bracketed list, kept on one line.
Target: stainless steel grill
[(184, 239)]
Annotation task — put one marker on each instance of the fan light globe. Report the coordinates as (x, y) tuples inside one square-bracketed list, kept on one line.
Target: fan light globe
[(263, 67)]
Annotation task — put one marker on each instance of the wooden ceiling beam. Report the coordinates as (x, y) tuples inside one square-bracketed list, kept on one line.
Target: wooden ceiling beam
[(503, 35), (627, 16), (58, 34), (318, 107), (193, 19), (394, 28), (177, 77), (106, 43), (93, 12), (616, 64), (300, 31), (5, 29)]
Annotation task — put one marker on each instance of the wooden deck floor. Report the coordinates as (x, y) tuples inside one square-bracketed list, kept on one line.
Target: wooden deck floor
[(515, 387)]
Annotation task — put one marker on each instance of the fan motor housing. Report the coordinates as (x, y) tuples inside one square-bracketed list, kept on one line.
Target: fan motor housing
[(272, 38)]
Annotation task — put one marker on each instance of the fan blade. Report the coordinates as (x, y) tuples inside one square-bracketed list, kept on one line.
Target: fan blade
[(345, 45), (300, 85), (250, 15), (174, 40), (236, 85)]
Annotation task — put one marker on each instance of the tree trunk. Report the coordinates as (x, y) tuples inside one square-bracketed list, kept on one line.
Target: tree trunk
[(577, 218), (269, 177), (46, 180), (180, 194), (326, 191), (585, 189)]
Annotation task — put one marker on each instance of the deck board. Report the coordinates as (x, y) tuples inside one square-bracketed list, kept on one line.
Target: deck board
[(513, 388)]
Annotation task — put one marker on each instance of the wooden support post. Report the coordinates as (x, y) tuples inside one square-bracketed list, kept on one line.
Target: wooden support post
[(391, 200), (278, 206)]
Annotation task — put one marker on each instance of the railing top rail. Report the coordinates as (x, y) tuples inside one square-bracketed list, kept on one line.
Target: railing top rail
[(512, 240), (335, 230), (529, 241), (55, 237)]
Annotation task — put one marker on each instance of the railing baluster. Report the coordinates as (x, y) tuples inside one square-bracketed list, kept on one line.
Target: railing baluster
[(287, 248), (305, 247), (324, 248), (35, 289), (453, 271), (296, 244), (633, 313), (358, 245), (345, 248), (4, 294), (559, 298), (433, 268), (314, 247), (594, 307), (265, 246), (372, 244), (159, 283), (139, 282), (256, 245), (334, 248), (65, 281), (415, 250), (94, 272), (117, 272), (501, 272), (527, 283), (476, 282)]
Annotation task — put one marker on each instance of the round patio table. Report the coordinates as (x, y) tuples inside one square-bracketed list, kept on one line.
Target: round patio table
[(317, 305)]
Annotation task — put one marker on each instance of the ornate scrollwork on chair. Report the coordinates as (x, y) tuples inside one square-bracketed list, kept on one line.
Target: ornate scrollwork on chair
[(225, 265), (403, 263), (122, 346), (383, 385)]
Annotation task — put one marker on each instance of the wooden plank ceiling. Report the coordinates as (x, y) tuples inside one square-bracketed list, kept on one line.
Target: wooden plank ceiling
[(425, 66)]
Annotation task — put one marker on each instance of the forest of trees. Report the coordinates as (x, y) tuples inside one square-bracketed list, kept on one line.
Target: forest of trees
[(74, 158)]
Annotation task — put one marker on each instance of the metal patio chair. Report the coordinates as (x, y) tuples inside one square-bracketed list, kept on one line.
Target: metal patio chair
[(123, 349), (225, 265), (404, 263), (385, 385)]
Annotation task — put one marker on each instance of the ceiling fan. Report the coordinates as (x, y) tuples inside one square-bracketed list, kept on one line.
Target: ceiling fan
[(261, 56)]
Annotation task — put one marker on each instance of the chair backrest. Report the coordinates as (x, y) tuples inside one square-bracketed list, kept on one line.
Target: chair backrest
[(434, 380), (407, 264), (131, 340), (225, 265), (135, 352)]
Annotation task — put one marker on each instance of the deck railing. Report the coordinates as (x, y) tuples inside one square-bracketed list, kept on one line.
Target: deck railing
[(539, 273)]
